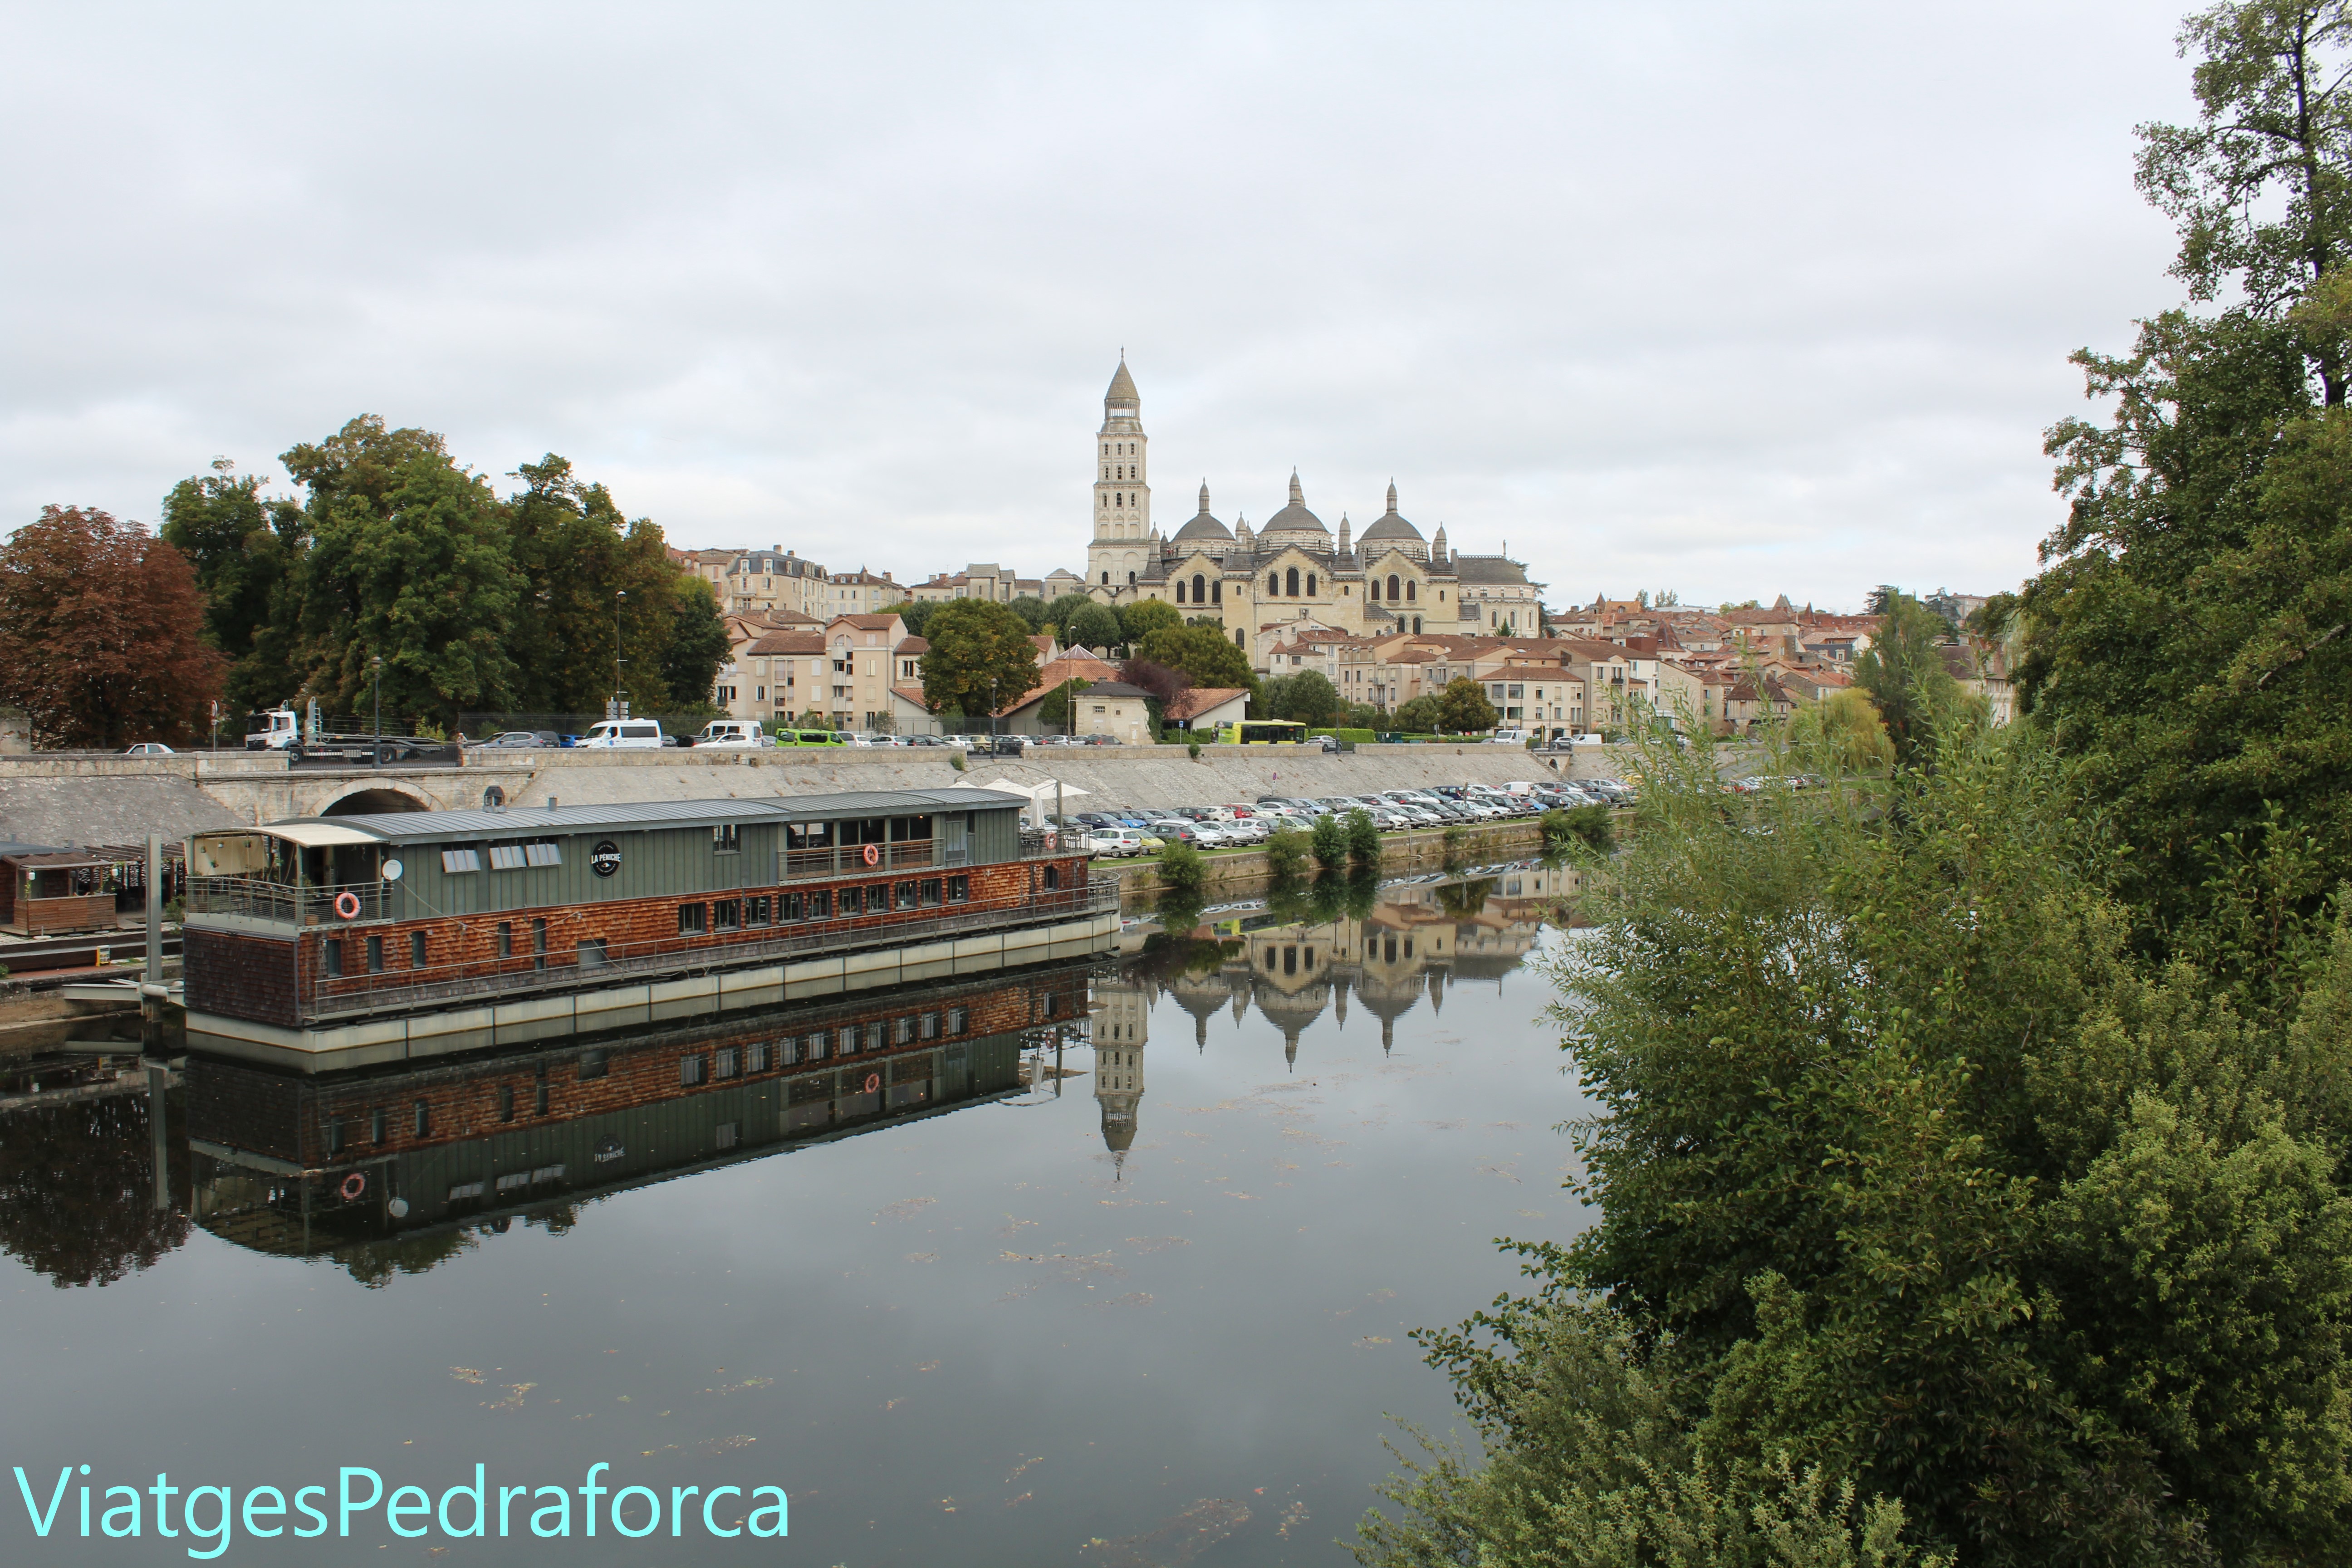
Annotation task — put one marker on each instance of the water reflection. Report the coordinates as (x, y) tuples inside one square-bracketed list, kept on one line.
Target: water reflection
[(393, 1171), (77, 1187)]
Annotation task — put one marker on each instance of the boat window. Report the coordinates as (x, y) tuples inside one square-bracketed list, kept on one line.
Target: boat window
[(1052, 876), (424, 1119), (543, 854), (689, 1070), (506, 939), (689, 919), (506, 857), (506, 1102), (931, 893), (726, 838), (725, 1064), (820, 904), (375, 955), (788, 908), (905, 897), (755, 912), (416, 949), (592, 1064), (906, 827), (845, 1037), (958, 1018), (334, 958), (958, 889), (903, 1032), (457, 862), (755, 1057), (874, 1036), (538, 944), (930, 1026), (808, 836), (591, 953), (728, 914), (814, 1046)]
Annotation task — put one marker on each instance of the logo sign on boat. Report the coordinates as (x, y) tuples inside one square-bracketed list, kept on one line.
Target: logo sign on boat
[(605, 858)]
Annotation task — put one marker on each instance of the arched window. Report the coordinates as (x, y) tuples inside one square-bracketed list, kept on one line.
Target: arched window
[(1131, 579), (1310, 584), (1408, 590), (1290, 583), (1105, 582), (1373, 590), (1217, 593), (1179, 590), (1393, 587), (1199, 583), (1416, 626), (1237, 639), (1273, 583)]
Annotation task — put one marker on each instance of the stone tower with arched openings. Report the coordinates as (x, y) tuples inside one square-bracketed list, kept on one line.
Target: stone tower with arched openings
[(1122, 1011), (1124, 545)]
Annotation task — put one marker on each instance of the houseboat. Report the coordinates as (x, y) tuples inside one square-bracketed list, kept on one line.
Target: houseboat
[(301, 1164), (334, 941)]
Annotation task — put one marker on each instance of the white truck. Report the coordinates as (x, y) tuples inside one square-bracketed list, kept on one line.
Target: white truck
[(278, 730)]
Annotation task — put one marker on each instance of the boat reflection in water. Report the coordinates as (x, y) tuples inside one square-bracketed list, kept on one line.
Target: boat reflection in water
[(389, 1169)]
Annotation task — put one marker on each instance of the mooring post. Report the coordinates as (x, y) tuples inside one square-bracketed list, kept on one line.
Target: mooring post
[(159, 1082)]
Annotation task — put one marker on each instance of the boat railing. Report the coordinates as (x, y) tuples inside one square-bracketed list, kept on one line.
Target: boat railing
[(849, 859), (281, 903), (596, 961)]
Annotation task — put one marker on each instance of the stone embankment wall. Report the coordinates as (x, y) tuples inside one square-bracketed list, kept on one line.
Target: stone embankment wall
[(1245, 870)]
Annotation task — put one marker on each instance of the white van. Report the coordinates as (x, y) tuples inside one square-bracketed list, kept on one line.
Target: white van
[(627, 733), (1508, 738), (732, 732)]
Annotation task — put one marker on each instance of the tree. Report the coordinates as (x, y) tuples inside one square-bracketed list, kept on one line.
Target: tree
[(1462, 707), (1092, 626), (1418, 716), (243, 549), (1905, 675), (1056, 707), (1031, 609), (1201, 653), (1307, 697), (697, 645), (1138, 618), (101, 639), (1330, 842), (915, 614), (1910, 1175), (980, 657), (1363, 839), (1845, 727), (1064, 610), (408, 563)]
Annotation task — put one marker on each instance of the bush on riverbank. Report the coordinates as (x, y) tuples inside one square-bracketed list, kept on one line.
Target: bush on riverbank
[(1909, 1174), (1285, 853), (1363, 839), (1590, 826), (1182, 868)]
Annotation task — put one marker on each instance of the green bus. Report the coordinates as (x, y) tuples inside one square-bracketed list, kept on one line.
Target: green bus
[(1263, 732), (810, 738)]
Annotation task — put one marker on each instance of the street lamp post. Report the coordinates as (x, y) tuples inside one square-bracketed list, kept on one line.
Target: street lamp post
[(618, 595), (378, 662)]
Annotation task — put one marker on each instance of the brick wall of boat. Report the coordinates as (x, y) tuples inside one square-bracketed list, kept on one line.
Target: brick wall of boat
[(465, 949), (240, 976)]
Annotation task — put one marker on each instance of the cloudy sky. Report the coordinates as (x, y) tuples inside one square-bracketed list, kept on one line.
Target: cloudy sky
[(1727, 298)]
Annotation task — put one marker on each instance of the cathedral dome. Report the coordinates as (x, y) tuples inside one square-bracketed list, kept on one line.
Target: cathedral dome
[(1294, 520), (1122, 393), (1391, 526), (1204, 530)]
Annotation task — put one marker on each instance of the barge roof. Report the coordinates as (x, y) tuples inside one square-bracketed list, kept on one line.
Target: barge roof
[(415, 826)]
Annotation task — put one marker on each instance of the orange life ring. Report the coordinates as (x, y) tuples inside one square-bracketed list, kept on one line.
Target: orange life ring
[(347, 904), (873, 1081), (353, 1185), (874, 854)]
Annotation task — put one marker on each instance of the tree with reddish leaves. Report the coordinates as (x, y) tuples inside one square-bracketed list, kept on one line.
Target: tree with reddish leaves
[(101, 634)]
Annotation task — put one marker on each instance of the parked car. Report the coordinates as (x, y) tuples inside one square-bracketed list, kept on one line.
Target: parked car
[(1007, 746), (627, 735), (731, 735), (1119, 841), (513, 740), (1176, 830), (146, 748)]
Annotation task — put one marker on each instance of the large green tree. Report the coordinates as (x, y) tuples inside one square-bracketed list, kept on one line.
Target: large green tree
[(588, 576), (245, 548), (1092, 625), (1201, 653), (1903, 673), (1307, 697), (1138, 618), (980, 657), (2186, 641), (409, 564)]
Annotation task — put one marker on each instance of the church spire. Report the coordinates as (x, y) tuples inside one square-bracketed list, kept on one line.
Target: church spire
[(1205, 498), (1391, 498), (1298, 496)]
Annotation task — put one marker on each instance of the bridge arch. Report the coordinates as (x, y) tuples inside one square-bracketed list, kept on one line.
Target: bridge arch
[(375, 798)]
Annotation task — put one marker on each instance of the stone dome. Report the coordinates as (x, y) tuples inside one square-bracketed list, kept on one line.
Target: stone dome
[(1391, 526), (1122, 393), (1204, 529), (1295, 518)]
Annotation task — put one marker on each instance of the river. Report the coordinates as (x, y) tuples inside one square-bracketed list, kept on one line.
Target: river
[(1105, 1264)]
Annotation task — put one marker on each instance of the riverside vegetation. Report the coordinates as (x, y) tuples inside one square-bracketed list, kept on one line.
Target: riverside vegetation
[(1970, 1143)]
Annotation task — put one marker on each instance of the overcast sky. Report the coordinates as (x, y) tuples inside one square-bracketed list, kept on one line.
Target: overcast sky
[(1732, 300)]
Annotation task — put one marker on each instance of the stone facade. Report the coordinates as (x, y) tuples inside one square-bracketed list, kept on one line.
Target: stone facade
[(1259, 582)]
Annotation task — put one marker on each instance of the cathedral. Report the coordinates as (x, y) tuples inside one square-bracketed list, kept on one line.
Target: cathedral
[(1289, 568)]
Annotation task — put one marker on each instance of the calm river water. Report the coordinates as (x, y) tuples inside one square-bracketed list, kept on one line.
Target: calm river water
[(1150, 1308)]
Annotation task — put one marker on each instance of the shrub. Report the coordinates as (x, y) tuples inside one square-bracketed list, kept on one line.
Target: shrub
[(1182, 868), (1456, 836), (1363, 839), (1358, 737), (1285, 852), (1330, 843), (1589, 826), (1192, 747)]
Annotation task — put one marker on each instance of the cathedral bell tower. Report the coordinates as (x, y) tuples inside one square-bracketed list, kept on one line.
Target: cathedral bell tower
[(1122, 536)]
